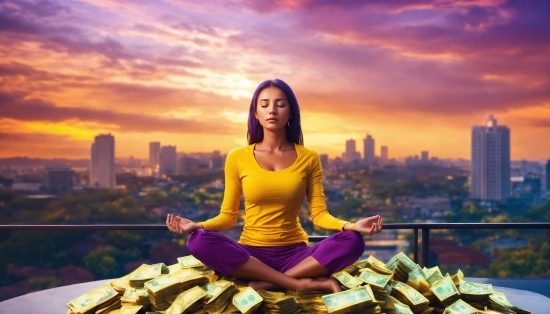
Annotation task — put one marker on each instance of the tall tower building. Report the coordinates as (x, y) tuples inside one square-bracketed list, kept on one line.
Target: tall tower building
[(154, 156), (490, 161), (384, 152), (167, 160), (102, 167), (351, 153), (368, 148), (425, 156), (547, 176)]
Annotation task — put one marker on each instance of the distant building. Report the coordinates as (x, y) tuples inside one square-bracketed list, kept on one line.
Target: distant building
[(102, 167), (58, 180), (384, 152), (217, 161), (154, 156), (425, 156), (490, 176), (324, 160), (351, 154), (547, 176), (167, 160), (368, 149)]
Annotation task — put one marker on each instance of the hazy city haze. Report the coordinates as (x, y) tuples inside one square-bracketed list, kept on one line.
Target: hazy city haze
[(416, 75)]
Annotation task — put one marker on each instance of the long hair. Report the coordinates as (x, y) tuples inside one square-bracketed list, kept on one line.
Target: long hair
[(255, 130)]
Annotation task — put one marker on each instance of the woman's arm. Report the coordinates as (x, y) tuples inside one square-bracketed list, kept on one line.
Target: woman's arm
[(319, 212), (229, 210)]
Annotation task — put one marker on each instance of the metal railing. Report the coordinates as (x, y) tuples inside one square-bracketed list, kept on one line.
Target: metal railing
[(423, 227)]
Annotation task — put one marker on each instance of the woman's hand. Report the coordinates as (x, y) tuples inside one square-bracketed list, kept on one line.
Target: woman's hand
[(370, 225), (181, 225)]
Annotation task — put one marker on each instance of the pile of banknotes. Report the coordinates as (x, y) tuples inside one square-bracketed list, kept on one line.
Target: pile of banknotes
[(399, 286)]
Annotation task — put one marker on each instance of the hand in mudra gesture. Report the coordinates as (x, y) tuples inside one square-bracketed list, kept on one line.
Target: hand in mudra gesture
[(370, 225), (180, 225)]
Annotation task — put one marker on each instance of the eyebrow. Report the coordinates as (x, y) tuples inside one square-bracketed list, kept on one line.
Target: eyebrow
[(277, 99)]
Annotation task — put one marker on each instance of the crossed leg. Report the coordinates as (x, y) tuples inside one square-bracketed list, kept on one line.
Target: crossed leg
[(336, 252)]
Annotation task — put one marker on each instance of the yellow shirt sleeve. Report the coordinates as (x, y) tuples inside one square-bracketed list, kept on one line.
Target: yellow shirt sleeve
[(316, 199), (232, 195)]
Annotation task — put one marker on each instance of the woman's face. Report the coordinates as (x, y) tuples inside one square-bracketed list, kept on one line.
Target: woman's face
[(272, 109)]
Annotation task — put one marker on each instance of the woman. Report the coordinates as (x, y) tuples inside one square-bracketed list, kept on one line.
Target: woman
[(274, 173)]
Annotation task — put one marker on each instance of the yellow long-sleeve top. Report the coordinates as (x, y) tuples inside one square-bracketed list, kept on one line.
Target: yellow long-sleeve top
[(272, 199)]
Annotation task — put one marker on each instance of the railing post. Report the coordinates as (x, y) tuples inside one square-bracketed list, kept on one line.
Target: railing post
[(425, 246), (416, 245)]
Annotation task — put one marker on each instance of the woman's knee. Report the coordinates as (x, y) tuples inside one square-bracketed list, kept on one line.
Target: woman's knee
[(197, 243), (355, 242)]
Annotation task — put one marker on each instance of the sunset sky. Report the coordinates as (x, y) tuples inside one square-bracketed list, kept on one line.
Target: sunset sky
[(416, 75)]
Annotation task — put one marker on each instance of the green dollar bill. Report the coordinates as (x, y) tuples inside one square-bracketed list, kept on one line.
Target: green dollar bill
[(186, 300), (247, 300), (91, 299), (375, 279), (444, 289), (189, 261), (466, 287), (347, 280), (347, 299)]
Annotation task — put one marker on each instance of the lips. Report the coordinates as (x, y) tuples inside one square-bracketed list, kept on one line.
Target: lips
[(272, 120)]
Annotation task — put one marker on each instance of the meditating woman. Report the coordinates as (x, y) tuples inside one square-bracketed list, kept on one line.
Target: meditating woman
[(274, 173)]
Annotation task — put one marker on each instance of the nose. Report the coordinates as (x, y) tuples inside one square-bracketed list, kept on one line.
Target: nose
[(272, 109)]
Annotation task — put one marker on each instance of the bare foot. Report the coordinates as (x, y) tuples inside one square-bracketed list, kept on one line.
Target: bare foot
[(320, 284), (262, 285)]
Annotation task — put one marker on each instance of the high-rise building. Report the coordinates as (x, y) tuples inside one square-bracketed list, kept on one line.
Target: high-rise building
[(351, 154), (425, 156), (324, 160), (368, 148), (154, 156), (490, 178), (167, 160), (102, 167), (384, 152), (547, 176), (58, 179)]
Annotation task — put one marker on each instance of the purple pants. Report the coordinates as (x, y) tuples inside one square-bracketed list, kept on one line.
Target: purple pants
[(224, 254)]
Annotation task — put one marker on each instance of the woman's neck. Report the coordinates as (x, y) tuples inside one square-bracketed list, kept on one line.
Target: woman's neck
[(274, 142)]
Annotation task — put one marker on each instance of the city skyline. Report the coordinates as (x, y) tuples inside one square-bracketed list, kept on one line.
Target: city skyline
[(417, 75)]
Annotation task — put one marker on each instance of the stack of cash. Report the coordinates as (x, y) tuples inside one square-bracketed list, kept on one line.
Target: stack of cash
[(476, 294), (189, 301), (163, 289), (499, 302), (394, 306), (377, 282), (358, 300), (432, 274), (352, 269), (378, 266), (189, 261), (461, 307), (220, 294), (445, 291), (347, 280), (134, 296), (417, 280), (402, 265), (399, 286), (406, 294), (309, 301), (123, 283), (127, 309), (146, 273), (98, 300), (247, 300), (278, 302)]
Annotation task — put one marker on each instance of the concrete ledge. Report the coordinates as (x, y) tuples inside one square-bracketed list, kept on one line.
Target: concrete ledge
[(52, 301)]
